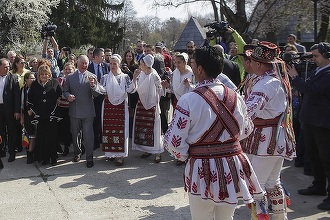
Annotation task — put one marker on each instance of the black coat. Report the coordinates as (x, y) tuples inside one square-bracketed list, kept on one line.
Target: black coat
[(315, 107), (231, 69), (12, 95)]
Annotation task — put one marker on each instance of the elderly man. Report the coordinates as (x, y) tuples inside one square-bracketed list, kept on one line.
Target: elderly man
[(80, 88)]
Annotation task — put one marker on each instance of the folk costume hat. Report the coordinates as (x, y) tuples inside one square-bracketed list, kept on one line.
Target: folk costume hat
[(247, 50), (265, 52)]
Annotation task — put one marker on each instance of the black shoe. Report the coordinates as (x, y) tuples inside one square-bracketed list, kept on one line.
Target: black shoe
[(179, 162), (29, 159), (312, 190), (90, 164), (119, 161), (1, 164), (76, 158), (53, 161), (59, 149), (19, 149), (11, 158), (45, 162), (325, 205), (308, 173), (145, 155)]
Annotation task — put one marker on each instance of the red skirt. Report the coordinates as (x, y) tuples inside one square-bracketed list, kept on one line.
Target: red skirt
[(113, 134)]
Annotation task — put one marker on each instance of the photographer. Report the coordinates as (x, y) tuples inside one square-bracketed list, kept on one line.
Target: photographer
[(63, 57), (315, 116), (52, 54)]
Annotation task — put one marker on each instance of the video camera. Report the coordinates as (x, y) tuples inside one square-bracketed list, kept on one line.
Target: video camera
[(300, 61), (219, 29), (48, 30)]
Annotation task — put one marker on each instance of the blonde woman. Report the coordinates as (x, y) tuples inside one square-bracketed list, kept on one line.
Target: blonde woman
[(43, 97)]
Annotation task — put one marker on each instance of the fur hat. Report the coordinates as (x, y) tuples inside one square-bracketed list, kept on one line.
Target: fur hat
[(265, 52), (148, 60)]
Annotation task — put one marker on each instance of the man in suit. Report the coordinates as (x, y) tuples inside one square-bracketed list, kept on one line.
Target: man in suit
[(315, 116), (79, 89), (292, 39), (99, 68), (10, 97)]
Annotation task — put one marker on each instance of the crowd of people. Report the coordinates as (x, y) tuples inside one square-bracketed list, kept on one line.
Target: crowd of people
[(237, 115)]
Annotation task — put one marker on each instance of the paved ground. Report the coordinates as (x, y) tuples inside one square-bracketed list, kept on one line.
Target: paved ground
[(140, 189)]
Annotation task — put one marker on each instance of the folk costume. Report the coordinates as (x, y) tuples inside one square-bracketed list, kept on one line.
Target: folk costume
[(147, 124), (115, 114), (205, 132), (268, 104), (177, 81)]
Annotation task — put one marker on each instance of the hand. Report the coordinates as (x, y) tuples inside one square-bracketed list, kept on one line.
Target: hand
[(17, 116), (136, 74), (186, 81), (165, 84), (30, 112), (22, 120), (92, 81), (292, 72), (71, 98)]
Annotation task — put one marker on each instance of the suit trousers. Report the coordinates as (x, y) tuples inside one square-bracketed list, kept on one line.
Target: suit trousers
[(8, 129), (201, 209), (97, 124), (86, 126), (317, 146)]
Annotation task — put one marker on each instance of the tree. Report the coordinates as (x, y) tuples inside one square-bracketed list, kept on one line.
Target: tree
[(82, 22), (20, 22)]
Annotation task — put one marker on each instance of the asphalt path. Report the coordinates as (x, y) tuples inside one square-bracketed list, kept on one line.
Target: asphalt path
[(141, 189)]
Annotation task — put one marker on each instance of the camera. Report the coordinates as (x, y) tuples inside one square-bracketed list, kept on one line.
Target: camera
[(124, 66), (300, 62), (48, 30), (219, 29)]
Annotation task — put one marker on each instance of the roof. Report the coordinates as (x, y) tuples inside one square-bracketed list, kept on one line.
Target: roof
[(193, 31)]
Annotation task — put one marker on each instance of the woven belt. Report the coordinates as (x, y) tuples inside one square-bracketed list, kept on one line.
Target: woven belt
[(262, 123), (215, 150)]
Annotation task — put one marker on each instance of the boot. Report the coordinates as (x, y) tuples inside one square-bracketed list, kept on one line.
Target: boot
[(29, 157), (277, 200)]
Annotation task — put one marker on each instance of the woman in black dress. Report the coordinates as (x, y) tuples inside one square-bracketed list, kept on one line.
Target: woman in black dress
[(129, 65), (29, 128), (43, 97)]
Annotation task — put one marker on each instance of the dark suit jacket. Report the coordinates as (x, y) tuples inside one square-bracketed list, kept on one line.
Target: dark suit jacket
[(315, 107), (231, 69), (12, 95), (105, 68)]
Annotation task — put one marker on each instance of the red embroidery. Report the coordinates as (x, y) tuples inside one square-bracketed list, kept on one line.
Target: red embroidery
[(201, 172), (183, 111), (262, 138), (228, 178), (182, 123), (176, 141), (213, 177), (194, 188)]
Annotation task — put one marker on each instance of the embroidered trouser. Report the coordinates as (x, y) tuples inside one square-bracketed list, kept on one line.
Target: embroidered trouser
[(201, 209), (269, 180)]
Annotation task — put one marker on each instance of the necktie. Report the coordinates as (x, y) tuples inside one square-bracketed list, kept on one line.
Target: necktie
[(99, 72)]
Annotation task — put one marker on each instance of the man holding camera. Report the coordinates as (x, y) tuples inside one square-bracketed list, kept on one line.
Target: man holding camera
[(315, 116), (52, 55)]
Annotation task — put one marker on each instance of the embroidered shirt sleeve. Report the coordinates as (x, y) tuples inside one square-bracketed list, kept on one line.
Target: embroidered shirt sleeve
[(177, 133), (256, 102)]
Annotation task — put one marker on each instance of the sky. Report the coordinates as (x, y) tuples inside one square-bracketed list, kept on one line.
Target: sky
[(143, 8)]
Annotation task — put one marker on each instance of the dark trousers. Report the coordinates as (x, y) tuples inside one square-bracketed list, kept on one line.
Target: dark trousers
[(97, 124), (317, 146), (164, 107), (8, 130)]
